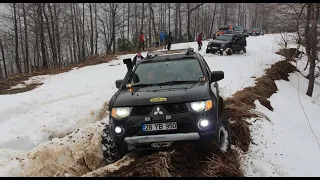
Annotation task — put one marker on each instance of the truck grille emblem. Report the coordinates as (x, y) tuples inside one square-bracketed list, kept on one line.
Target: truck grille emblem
[(158, 111)]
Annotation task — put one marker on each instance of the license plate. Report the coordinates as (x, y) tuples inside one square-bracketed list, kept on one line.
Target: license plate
[(159, 126), (214, 47)]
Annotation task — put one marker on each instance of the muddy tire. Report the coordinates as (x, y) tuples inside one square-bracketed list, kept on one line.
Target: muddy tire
[(229, 51), (223, 138), (244, 50), (109, 147)]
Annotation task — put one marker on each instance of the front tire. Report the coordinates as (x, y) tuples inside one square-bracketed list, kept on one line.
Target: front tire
[(207, 50), (223, 137), (111, 150), (229, 51)]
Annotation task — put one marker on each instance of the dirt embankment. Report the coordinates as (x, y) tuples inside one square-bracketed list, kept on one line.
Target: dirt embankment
[(184, 161)]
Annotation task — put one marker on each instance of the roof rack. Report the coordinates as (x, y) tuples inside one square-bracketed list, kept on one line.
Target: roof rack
[(187, 51)]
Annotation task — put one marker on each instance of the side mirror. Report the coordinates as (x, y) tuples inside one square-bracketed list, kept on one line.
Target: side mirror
[(118, 83), (217, 75)]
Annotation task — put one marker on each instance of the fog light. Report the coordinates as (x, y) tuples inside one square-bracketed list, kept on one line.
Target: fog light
[(203, 123), (118, 129), (221, 49)]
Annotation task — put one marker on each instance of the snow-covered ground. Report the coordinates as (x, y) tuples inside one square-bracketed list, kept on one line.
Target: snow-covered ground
[(44, 118)]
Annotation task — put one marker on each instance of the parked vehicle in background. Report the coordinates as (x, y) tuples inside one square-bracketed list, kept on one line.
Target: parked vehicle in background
[(227, 44), (256, 31), (240, 30), (224, 30)]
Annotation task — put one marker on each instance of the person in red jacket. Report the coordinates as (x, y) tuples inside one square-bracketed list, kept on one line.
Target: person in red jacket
[(141, 41), (199, 41)]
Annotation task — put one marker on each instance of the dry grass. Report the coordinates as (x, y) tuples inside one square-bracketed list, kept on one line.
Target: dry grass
[(237, 108)]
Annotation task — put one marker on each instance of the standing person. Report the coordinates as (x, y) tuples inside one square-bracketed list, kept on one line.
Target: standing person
[(141, 41), (136, 60), (165, 40), (169, 41), (157, 39), (199, 41), (161, 38)]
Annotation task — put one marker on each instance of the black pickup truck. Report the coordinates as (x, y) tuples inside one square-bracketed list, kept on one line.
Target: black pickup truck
[(166, 99)]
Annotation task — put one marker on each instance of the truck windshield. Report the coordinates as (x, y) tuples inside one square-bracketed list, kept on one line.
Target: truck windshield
[(158, 72), (224, 38), (238, 28)]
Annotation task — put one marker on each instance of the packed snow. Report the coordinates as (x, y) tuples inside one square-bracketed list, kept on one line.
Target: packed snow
[(37, 126)]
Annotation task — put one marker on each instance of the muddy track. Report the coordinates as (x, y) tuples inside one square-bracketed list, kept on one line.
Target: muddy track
[(186, 161)]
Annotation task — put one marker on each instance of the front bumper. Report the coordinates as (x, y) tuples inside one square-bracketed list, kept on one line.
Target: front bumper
[(215, 49), (187, 128), (162, 137)]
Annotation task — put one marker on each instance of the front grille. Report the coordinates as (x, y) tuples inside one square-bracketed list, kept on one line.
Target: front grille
[(215, 45), (141, 110), (170, 108), (175, 108)]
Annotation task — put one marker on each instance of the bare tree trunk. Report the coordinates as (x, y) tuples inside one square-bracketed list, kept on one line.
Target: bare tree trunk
[(83, 35), (42, 43), (152, 18), (73, 36), (58, 35), (91, 36), (3, 60), (180, 24), (53, 39), (26, 38), (96, 27), (225, 14), (188, 22), (212, 22), (169, 17), (142, 18), (16, 38), (315, 7), (21, 43), (53, 50), (149, 28), (176, 21)]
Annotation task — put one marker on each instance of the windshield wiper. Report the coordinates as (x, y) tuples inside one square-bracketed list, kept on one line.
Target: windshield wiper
[(176, 82)]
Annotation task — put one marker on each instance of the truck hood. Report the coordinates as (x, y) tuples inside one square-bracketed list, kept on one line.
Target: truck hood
[(172, 93)]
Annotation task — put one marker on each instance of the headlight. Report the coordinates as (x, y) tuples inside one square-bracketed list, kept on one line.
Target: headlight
[(121, 112), (201, 105)]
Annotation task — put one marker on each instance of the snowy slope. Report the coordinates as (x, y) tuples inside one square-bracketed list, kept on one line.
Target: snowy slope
[(72, 100), (286, 145)]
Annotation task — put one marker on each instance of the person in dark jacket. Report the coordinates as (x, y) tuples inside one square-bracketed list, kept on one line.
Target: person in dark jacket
[(141, 41), (199, 41), (136, 60), (169, 41), (157, 39), (165, 40)]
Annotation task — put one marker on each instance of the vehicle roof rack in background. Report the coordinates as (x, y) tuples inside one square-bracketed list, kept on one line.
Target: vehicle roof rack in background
[(163, 53)]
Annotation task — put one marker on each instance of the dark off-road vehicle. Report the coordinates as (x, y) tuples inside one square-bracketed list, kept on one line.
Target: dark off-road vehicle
[(166, 100), (227, 44), (256, 32)]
